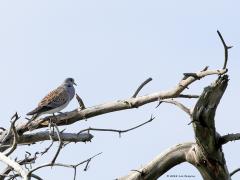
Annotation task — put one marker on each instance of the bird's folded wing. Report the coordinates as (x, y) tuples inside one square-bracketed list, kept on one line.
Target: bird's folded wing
[(55, 98)]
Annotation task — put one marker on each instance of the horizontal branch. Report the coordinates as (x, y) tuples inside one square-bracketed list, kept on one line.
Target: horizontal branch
[(78, 114), (43, 136), (188, 96), (229, 137), (117, 130)]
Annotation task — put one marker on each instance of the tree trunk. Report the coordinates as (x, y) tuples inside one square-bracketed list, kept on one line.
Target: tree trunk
[(206, 154)]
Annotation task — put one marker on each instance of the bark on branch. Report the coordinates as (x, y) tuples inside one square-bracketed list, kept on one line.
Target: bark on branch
[(43, 136), (212, 158), (229, 137), (162, 163), (78, 114), (205, 154), (14, 165)]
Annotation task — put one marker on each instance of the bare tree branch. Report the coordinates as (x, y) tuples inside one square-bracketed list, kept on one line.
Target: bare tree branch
[(234, 172), (212, 158), (188, 96), (80, 102), (43, 136), (14, 165), (226, 48), (27, 160), (32, 175), (78, 114), (206, 68), (178, 104), (161, 164), (60, 144), (141, 86), (116, 130), (65, 165), (15, 134), (229, 137), (8, 133)]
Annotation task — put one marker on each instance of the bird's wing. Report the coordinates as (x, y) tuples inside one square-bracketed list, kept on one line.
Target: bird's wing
[(55, 98)]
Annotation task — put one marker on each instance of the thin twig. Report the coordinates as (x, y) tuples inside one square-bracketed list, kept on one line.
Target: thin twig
[(226, 48), (140, 172), (9, 133), (188, 96), (234, 172), (50, 137), (60, 144), (206, 68), (15, 134), (47, 149), (178, 104), (13, 177), (80, 102), (64, 165), (2, 128), (117, 130), (141, 86)]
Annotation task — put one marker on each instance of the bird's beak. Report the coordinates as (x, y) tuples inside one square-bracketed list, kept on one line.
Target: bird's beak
[(74, 83)]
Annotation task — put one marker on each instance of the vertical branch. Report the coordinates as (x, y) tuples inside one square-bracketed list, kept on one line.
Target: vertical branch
[(15, 134), (60, 145), (226, 48)]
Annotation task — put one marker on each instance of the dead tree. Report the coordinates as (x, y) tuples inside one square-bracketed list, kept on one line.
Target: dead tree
[(205, 153)]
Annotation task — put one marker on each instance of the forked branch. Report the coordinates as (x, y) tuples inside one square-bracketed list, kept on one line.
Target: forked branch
[(226, 48), (117, 130)]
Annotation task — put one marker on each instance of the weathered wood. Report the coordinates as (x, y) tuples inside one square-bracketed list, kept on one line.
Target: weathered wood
[(212, 159), (206, 154)]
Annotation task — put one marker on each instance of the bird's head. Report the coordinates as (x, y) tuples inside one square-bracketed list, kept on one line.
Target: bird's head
[(69, 81)]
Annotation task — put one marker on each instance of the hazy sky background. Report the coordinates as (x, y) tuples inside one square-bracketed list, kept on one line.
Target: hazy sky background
[(110, 47)]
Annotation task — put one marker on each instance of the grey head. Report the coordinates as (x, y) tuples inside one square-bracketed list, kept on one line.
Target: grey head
[(68, 85)]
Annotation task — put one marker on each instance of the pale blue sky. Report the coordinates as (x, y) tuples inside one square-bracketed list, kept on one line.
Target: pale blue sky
[(110, 47)]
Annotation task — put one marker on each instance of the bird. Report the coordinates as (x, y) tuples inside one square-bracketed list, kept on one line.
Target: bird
[(56, 100)]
